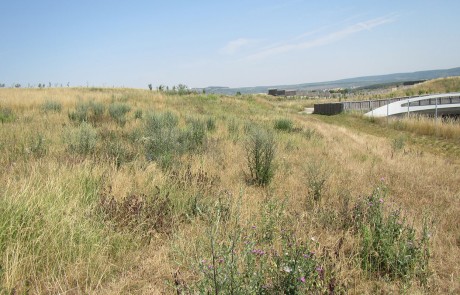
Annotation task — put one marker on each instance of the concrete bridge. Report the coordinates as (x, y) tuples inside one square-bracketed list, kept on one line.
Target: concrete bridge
[(437, 104)]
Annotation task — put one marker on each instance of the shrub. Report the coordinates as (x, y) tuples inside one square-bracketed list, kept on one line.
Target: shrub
[(82, 140), (161, 137), (87, 112), (260, 154), (284, 125), (164, 140), (52, 106), (118, 112)]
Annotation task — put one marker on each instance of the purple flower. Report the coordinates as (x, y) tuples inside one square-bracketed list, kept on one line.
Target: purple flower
[(258, 252), (302, 279), (381, 200), (320, 271), (253, 227), (382, 179)]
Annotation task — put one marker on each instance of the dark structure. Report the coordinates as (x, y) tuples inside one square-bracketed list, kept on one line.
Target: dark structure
[(328, 108), (281, 92)]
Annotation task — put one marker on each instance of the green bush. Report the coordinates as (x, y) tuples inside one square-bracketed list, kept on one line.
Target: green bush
[(87, 112), (51, 106), (260, 149), (118, 112), (164, 140), (82, 140), (161, 134), (284, 125)]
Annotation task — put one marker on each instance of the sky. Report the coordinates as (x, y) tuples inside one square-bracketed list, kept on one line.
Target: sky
[(222, 43)]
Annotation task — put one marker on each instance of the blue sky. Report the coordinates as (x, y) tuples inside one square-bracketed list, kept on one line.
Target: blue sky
[(222, 43)]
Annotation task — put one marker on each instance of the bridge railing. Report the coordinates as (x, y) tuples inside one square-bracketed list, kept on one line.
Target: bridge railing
[(367, 105), (432, 101)]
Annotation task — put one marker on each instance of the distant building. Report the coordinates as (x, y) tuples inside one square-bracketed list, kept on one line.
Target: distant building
[(281, 92)]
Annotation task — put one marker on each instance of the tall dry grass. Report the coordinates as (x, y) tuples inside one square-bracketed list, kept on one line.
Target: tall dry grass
[(112, 220)]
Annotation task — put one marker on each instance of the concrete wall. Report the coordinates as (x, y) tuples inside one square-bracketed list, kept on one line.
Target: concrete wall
[(328, 108)]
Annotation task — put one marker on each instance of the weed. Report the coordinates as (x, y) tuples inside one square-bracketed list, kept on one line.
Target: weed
[(51, 106), (284, 125), (6, 115), (311, 133), (141, 214), (260, 149), (241, 264), (389, 247), (398, 143), (211, 124), (233, 127), (193, 137), (120, 154), (138, 114), (38, 146), (316, 178)]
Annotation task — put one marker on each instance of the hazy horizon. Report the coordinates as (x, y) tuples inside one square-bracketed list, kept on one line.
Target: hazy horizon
[(237, 44)]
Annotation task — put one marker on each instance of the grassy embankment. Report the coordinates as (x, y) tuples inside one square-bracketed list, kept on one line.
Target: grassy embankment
[(129, 191)]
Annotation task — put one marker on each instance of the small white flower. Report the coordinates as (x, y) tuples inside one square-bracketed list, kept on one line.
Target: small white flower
[(287, 269)]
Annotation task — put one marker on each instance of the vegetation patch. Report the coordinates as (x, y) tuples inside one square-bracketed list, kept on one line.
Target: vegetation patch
[(260, 149)]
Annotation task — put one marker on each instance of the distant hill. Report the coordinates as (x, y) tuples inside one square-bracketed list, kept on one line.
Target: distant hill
[(344, 83)]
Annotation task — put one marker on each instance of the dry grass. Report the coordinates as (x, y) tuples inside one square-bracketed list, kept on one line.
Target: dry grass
[(62, 242)]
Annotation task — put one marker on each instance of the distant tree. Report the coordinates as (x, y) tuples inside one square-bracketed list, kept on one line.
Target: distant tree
[(204, 91), (238, 93), (49, 85), (68, 84), (2, 85), (150, 87), (161, 88), (17, 85), (39, 85)]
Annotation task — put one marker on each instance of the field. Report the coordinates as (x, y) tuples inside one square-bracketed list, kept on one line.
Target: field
[(123, 191)]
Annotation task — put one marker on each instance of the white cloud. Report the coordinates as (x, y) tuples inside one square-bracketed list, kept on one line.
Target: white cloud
[(234, 46), (319, 40)]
